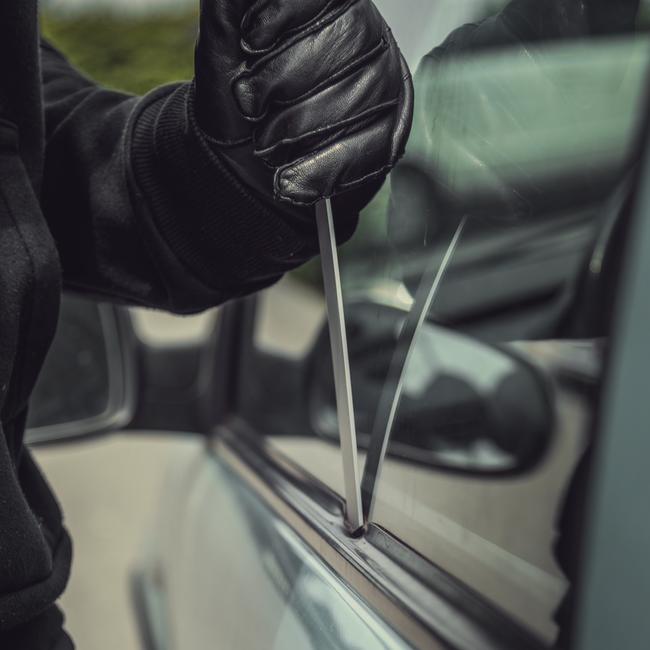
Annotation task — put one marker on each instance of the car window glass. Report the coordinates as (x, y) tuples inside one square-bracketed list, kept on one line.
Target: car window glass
[(290, 316), (479, 288), (284, 360)]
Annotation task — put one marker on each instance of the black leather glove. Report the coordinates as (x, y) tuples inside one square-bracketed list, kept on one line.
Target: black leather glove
[(305, 99)]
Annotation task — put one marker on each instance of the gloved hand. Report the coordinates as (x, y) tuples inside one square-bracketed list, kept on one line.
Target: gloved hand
[(305, 99)]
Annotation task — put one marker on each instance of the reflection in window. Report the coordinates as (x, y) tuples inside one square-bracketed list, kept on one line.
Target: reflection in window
[(283, 361), (525, 133)]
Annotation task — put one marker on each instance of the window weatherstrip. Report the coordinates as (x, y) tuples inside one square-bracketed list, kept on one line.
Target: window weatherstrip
[(340, 363), (426, 606), (392, 390)]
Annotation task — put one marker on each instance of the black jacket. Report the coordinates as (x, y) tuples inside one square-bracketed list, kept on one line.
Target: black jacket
[(119, 197)]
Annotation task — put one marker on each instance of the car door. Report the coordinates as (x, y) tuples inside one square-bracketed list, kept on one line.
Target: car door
[(236, 558), (479, 291)]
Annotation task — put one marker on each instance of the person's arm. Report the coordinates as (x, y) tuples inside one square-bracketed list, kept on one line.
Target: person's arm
[(143, 210), (204, 191)]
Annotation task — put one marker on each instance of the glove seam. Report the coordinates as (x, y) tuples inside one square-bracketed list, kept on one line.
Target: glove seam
[(365, 116), (396, 154), (374, 52), (299, 33)]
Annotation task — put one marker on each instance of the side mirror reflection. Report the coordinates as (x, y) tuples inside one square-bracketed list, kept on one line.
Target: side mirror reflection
[(466, 405)]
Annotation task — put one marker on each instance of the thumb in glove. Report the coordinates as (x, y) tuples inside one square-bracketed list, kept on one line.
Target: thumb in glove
[(306, 99)]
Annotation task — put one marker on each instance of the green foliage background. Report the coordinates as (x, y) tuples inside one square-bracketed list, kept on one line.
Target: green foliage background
[(132, 53)]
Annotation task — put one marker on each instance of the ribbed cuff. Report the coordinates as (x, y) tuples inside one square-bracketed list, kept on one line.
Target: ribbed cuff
[(210, 220), (229, 237)]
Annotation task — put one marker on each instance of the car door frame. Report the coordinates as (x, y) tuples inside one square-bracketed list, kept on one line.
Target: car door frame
[(613, 595), (426, 605)]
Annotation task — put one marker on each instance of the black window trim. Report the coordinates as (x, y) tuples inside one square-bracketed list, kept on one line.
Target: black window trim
[(426, 605)]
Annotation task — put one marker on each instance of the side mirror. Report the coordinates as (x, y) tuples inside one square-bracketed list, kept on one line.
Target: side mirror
[(86, 387), (100, 377), (466, 406)]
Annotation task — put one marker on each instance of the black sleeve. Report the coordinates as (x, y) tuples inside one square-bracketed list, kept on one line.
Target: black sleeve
[(45, 632), (143, 210)]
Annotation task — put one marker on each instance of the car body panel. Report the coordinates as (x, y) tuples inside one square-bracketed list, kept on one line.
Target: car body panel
[(237, 576)]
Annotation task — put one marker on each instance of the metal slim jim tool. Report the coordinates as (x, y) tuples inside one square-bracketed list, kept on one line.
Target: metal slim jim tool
[(340, 363)]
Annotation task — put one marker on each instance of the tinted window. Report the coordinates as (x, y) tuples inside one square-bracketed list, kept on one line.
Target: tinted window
[(480, 289), (286, 353)]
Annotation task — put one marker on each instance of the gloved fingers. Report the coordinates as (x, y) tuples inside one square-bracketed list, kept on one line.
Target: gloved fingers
[(340, 166), (220, 28), (304, 66), (269, 21), (218, 58), (290, 131), (293, 150), (354, 159)]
